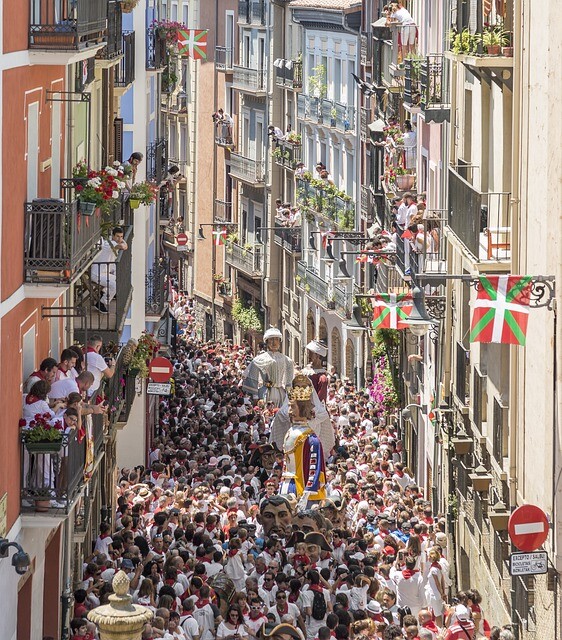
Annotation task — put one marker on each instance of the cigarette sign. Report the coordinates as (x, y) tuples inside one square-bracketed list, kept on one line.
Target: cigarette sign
[(528, 564)]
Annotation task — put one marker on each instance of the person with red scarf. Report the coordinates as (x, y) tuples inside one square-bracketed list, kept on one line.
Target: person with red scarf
[(96, 364), (256, 619), (66, 365), (205, 614), (285, 611), (426, 621), (47, 372), (409, 584)]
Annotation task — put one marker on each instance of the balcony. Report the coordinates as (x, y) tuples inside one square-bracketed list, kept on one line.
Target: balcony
[(327, 203), (157, 160), (289, 74), (223, 59), (434, 88), (287, 154), (412, 87), (342, 301), (101, 281), (387, 59), (480, 221), (251, 12), (246, 259), (67, 25), (247, 170), (365, 119), (386, 279), (84, 74), (120, 391), (329, 113), (252, 81), (114, 46), (366, 203), (156, 53), (156, 281), (59, 242), (431, 257), (223, 135), (289, 238), (313, 285), (366, 49), (222, 211), (125, 70)]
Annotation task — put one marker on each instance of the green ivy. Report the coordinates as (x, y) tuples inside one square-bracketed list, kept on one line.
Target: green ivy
[(247, 317)]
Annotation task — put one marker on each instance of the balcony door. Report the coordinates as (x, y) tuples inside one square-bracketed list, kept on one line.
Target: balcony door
[(229, 37), (32, 150), (259, 138)]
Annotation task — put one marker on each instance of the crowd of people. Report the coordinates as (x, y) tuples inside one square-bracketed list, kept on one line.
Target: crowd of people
[(213, 549)]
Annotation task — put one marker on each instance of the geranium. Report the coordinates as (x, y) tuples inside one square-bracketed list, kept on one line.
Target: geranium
[(147, 348), (146, 192), (42, 428), (102, 187), (168, 30)]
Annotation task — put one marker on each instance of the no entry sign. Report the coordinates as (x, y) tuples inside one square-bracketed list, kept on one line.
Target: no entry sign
[(528, 527), (160, 369), (181, 239)]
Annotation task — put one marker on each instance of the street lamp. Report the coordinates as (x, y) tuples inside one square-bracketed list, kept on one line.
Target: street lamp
[(20, 559), (406, 413), (419, 321)]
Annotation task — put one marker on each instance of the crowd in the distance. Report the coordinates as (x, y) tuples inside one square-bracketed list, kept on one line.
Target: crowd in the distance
[(213, 550)]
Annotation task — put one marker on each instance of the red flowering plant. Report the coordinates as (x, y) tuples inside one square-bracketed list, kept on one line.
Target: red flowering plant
[(383, 391), (102, 187), (42, 428), (168, 30), (147, 348)]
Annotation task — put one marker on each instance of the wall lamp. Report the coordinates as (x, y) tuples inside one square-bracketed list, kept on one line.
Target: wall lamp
[(200, 234), (20, 559)]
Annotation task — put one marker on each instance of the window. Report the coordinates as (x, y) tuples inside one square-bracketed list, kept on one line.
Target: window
[(500, 431), (337, 80), (185, 14), (55, 148), (28, 353), (32, 150), (174, 15), (55, 337)]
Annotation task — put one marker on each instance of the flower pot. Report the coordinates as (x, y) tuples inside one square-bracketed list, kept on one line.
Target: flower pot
[(42, 505), (134, 203), (134, 372), (44, 447), (405, 182), (507, 52), (87, 208), (493, 49)]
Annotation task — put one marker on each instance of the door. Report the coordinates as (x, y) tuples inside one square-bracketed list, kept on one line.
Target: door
[(32, 150)]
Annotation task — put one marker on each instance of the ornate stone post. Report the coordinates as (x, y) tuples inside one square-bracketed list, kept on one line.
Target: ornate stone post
[(120, 619)]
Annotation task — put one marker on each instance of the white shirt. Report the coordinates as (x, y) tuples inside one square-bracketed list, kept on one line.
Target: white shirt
[(189, 626), (405, 214), (96, 365), (62, 388), (107, 252)]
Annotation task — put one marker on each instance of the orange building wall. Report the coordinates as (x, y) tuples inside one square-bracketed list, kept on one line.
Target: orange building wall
[(16, 25), (14, 325), (22, 86)]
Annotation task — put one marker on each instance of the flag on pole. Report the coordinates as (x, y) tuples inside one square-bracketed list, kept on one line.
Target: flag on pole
[(219, 237), (501, 310), (193, 43), (390, 310)]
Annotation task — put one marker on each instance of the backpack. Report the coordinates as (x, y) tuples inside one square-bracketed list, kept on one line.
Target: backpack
[(319, 607)]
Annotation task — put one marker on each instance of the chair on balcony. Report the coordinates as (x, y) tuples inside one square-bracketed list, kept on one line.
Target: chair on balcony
[(498, 239)]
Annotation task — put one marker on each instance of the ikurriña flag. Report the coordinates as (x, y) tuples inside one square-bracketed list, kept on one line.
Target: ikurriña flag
[(193, 43), (390, 310), (501, 309)]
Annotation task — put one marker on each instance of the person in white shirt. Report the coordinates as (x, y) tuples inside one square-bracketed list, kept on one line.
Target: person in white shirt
[(96, 364), (103, 268), (403, 17), (66, 365)]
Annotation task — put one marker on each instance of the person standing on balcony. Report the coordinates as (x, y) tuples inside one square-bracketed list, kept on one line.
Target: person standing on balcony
[(103, 270), (97, 364), (410, 146), (47, 372), (402, 17), (132, 165), (67, 361)]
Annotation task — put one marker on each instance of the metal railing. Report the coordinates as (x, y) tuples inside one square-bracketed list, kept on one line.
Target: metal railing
[(157, 160), (58, 240), (429, 243), (157, 288), (462, 378), (290, 238), (434, 88), (524, 599), (223, 134), (287, 154), (343, 300), (247, 169), (245, 259), (156, 53), (289, 76), (312, 284), (386, 278), (125, 70), (223, 58), (364, 115), (322, 202), (67, 25), (481, 221), (412, 90), (330, 113), (114, 46), (475, 16), (119, 391), (53, 475), (223, 211), (104, 292), (249, 80), (251, 11)]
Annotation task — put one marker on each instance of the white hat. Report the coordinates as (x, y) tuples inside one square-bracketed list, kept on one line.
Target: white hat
[(272, 332), (317, 347), (373, 607)]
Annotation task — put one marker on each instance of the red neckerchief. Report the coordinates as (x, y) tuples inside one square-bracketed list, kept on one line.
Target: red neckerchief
[(62, 368), (91, 350), (293, 597), (408, 573), (316, 587), (261, 615), (202, 603), (400, 474), (436, 565), (38, 374), (232, 552), (210, 528), (430, 624), (337, 545), (284, 611), (81, 434), (31, 399)]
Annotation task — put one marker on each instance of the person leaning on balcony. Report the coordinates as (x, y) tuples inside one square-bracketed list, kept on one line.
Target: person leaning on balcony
[(103, 270), (66, 365), (401, 16), (36, 401), (65, 389), (406, 211), (96, 364), (133, 163), (47, 371), (410, 145)]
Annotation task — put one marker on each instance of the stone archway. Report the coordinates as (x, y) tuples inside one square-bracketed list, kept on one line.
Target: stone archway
[(323, 331), (336, 350), (310, 327), (349, 360)]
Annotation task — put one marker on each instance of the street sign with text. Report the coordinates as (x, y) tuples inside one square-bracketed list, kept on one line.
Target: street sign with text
[(528, 527), (158, 388), (528, 564)]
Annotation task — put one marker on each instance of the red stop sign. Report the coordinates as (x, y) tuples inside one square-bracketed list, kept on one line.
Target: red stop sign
[(160, 369), (181, 239), (528, 527)]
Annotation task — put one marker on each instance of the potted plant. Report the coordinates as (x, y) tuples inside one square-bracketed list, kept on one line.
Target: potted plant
[(404, 179), (142, 193), (294, 138), (102, 189), (492, 40), (147, 348), (507, 44), (42, 434)]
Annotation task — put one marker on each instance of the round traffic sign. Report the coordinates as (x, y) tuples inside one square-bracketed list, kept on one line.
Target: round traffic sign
[(528, 527), (160, 369), (181, 239)]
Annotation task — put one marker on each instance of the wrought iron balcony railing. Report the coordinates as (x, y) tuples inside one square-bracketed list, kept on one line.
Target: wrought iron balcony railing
[(247, 169), (125, 70), (156, 281), (157, 160), (249, 80), (325, 203), (223, 211), (289, 74), (85, 74), (434, 88), (156, 53), (289, 238), (251, 11), (223, 134), (67, 25), (246, 259), (114, 46), (104, 293), (328, 113), (287, 154), (313, 285), (412, 89), (59, 241), (223, 59), (366, 49)]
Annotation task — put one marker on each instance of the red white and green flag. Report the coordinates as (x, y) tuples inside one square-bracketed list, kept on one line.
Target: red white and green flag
[(390, 310), (219, 237), (193, 43), (501, 310)]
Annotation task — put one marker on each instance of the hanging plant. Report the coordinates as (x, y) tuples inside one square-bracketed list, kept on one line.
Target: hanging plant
[(247, 317)]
